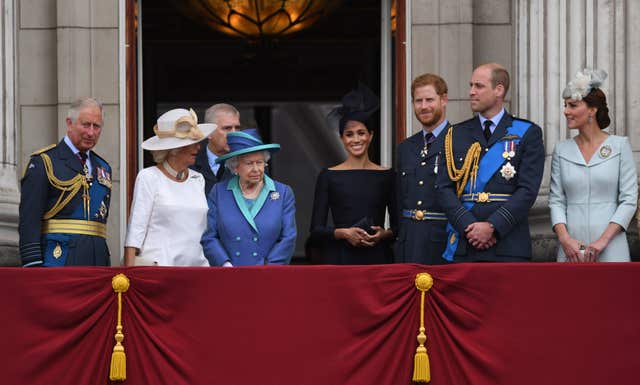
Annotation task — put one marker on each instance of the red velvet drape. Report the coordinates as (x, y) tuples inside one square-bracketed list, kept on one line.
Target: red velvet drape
[(486, 324)]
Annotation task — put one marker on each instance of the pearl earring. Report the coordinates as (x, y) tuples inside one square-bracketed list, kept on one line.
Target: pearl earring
[(590, 119)]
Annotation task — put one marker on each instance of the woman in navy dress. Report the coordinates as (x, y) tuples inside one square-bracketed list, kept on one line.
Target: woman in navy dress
[(358, 193)]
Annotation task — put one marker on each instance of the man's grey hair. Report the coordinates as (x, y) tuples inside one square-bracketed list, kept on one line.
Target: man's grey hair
[(232, 163), (212, 112), (82, 103)]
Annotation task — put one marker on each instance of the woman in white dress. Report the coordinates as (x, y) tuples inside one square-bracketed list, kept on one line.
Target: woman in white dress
[(593, 179), (169, 209)]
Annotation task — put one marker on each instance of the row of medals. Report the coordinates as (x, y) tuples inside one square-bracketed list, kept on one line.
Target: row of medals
[(102, 211), (508, 171)]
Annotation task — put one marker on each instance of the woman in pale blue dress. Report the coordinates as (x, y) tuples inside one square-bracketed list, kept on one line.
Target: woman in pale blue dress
[(594, 186)]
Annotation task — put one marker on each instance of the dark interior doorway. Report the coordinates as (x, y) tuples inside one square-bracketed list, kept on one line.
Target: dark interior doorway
[(285, 87)]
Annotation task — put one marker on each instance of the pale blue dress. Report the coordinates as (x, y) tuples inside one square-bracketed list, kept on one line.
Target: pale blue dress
[(586, 197)]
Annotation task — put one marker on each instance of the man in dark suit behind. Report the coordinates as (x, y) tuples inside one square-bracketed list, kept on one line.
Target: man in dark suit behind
[(488, 209), (422, 235), (227, 118)]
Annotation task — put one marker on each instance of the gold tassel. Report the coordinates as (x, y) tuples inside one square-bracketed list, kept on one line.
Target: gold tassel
[(118, 370), (421, 366)]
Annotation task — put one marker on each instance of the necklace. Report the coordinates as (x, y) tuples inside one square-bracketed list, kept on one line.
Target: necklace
[(179, 175), (252, 191)]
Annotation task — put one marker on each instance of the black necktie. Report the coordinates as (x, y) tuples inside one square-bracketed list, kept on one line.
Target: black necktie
[(487, 130), (428, 139), (82, 156), (220, 172)]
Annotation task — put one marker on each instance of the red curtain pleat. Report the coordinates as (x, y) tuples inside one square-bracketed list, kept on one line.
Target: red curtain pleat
[(305, 325)]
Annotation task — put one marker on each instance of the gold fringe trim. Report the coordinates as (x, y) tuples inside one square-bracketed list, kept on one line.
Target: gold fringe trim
[(421, 366), (118, 371)]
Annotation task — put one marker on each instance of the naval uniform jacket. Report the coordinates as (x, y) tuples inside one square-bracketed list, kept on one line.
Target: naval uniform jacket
[(264, 235), (510, 218), (38, 195), (419, 241)]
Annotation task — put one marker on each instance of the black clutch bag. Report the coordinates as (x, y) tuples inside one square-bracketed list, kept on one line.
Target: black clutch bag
[(365, 224)]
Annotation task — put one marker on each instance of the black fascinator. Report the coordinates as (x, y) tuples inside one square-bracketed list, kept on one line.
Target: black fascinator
[(358, 105)]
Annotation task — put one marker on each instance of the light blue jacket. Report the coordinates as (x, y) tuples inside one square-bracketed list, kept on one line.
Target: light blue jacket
[(266, 234), (587, 196)]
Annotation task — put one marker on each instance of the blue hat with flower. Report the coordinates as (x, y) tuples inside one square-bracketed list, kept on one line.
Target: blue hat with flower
[(244, 142)]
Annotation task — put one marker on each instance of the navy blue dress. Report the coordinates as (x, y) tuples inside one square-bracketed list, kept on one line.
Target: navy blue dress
[(351, 196)]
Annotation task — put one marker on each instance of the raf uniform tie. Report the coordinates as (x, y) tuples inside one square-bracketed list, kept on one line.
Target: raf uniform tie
[(82, 156), (428, 139), (487, 130)]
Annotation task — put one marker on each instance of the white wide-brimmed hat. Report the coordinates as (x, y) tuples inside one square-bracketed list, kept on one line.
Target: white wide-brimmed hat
[(177, 128)]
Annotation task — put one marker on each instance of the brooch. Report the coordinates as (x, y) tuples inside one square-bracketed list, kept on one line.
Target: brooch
[(508, 171), (605, 151), (274, 196)]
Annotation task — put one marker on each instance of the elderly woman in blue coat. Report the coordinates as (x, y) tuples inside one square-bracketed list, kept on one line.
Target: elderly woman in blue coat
[(251, 219)]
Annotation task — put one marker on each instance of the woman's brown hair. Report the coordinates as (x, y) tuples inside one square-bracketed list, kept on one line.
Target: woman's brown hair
[(597, 99)]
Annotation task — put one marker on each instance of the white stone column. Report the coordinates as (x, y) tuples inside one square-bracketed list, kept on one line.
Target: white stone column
[(9, 193), (88, 65), (442, 43), (554, 39)]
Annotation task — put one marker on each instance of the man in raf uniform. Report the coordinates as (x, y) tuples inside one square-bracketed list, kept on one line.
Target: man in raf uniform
[(490, 176), (422, 234), (65, 196), (227, 118)]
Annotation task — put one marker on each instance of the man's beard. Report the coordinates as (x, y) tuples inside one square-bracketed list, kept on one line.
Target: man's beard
[(436, 116)]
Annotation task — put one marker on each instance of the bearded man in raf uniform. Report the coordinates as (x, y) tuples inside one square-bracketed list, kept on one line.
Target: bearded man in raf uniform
[(491, 176), (65, 196), (422, 235)]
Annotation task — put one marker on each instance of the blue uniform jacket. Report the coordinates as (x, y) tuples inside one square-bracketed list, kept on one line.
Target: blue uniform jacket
[(419, 241), (266, 235), (510, 218), (39, 196)]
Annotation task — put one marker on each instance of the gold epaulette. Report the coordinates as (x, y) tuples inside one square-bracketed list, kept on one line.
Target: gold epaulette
[(44, 149), (38, 152)]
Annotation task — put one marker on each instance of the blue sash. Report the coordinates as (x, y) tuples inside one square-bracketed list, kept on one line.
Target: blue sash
[(488, 166)]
